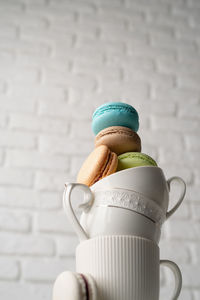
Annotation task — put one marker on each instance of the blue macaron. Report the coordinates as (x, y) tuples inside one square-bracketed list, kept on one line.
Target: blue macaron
[(115, 114)]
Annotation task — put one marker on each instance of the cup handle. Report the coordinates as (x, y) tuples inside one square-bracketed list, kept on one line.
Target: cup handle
[(182, 194), (177, 274), (88, 200)]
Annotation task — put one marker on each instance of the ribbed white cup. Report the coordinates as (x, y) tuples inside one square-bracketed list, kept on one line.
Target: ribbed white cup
[(124, 267)]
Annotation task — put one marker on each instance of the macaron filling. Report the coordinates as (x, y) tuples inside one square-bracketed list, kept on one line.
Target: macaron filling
[(86, 286), (107, 168), (115, 130)]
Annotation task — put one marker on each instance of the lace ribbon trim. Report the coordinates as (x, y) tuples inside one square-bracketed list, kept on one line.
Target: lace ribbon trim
[(130, 200)]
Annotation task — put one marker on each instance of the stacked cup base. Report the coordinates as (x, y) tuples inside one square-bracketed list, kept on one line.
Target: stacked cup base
[(124, 267)]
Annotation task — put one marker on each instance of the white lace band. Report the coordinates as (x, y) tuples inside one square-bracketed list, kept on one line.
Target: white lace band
[(129, 200)]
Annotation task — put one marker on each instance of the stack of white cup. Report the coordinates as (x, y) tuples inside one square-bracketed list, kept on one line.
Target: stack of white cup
[(119, 232)]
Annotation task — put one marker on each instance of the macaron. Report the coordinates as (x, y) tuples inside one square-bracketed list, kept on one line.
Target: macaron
[(74, 286), (115, 114), (134, 159), (119, 139), (100, 163)]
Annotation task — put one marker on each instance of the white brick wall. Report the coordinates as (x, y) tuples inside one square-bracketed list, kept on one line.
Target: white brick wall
[(59, 60)]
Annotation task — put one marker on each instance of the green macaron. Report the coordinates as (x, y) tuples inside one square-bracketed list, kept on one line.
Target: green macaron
[(134, 159)]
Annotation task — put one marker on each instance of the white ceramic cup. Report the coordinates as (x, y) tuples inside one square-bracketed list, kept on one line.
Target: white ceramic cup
[(140, 190), (116, 221), (125, 267), (148, 181), (111, 212)]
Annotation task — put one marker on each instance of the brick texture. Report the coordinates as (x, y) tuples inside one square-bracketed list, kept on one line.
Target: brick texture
[(59, 60)]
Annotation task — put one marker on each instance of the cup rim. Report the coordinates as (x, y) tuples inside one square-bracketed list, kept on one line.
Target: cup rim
[(118, 237), (124, 171)]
